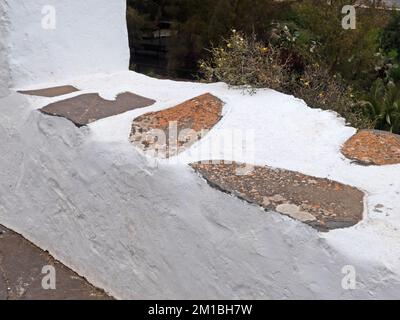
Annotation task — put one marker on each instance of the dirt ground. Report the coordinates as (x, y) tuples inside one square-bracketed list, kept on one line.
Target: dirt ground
[(21, 277)]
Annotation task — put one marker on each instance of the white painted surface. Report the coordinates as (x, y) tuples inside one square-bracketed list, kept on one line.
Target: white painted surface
[(5, 72), (90, 36), (143, 228), (151, 229)]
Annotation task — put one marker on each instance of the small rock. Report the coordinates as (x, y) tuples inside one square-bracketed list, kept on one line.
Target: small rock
[(266, 202), (373, 147), (295, 212), (277, 198)]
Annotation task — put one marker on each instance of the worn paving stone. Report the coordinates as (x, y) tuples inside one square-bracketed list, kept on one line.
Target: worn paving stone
[(51, 92), (320, 203), (373, 147), (21, 275), (169, 132), (87, 108)]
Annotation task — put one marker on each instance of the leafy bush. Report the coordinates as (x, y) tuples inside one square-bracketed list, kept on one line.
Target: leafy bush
[(390, 43), (319, 89), (299, 47), (250, 64), (383, 104), (246, 63), (348, 52), (391, 35)]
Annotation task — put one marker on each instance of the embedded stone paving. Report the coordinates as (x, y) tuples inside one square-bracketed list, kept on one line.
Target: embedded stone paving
[(320, 203), (21, 266), (87, 108), (51, 92), (169, 132), (373, 147)]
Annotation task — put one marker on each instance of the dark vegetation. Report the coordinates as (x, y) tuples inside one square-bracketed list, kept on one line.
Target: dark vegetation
[(297, 47)]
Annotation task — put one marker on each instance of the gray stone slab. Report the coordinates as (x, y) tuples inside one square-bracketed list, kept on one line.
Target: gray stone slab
[(87, 108), (51, 92)]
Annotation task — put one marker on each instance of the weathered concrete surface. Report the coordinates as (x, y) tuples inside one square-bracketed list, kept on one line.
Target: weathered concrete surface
[(320, 203), (373, 147), (180, 126), (146, 231), (51, 92), (87, 108), (5, 75), (21, 275), (53, 41)]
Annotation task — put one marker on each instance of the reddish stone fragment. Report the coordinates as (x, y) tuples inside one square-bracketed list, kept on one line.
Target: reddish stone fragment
[(372, 147), (169, 132)]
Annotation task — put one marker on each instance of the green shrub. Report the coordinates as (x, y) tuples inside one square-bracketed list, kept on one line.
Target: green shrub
[(348, 52), (245, 63), (383, 105), (250, 64), (319, 89), (391, 35)]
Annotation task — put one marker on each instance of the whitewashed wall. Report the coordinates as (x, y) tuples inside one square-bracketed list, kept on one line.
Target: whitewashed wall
[(4, 70), (86, 37)]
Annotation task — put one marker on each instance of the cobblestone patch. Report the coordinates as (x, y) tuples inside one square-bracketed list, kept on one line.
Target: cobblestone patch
[(320, 203)]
